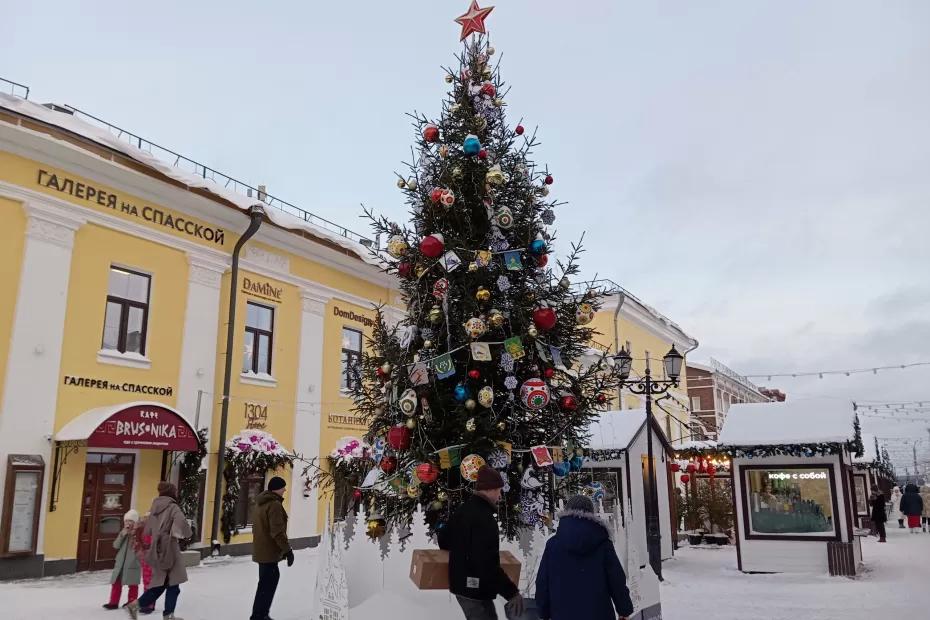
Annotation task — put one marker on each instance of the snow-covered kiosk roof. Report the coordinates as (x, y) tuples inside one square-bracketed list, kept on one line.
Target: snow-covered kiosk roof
[(869, 453), (790, 422), (616, 430)]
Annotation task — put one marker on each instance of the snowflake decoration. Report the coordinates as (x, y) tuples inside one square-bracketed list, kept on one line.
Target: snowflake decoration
[(510, 383), (507, 363), (503, 284), (548, 217)]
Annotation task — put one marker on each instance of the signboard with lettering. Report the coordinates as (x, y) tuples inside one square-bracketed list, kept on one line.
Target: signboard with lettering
[(264, 290), (144, 426), (256, 416)]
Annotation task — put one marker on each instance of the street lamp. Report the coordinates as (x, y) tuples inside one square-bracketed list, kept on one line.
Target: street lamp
[(647, 386)]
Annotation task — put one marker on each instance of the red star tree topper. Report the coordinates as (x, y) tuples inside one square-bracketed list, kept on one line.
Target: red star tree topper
[(473, 20)]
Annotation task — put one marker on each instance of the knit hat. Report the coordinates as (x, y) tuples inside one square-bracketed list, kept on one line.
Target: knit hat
[(488, 479), (579, 503), (132, 515), (167, 489), (276, 484)]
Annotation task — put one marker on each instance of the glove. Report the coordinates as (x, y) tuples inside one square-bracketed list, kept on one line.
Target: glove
[(289, 556), (516, 606)]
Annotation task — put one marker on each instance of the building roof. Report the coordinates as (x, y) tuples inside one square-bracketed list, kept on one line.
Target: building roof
[(789, 422), (869, 453), (616, 430)]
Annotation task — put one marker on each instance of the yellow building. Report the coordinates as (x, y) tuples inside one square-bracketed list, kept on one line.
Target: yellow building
[(115, 272)]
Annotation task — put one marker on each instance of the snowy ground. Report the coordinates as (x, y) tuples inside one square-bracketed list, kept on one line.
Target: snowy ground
[(700, 583)]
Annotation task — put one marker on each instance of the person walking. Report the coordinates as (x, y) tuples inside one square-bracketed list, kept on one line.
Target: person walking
[(140, 545), (269, 545), (472, 539), (912, 506), (580, 575), (127, 571), (895, 514), (879, 515), (166, 525), (925, 496)]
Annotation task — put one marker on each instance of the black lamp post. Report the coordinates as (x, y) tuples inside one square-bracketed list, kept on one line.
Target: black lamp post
[(648, 387)]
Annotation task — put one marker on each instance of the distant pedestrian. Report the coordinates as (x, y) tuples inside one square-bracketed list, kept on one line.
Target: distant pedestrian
[(473, 541), (580, 575), (895, 513), (126, 570), (879, 515), (269, 545), (166, 525), (925, 496), (912, 506)]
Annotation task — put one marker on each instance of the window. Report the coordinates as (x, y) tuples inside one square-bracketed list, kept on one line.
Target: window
[(351, 357), (250, 486), (259, 328), (127, 312), (696, 403), (789, 502)]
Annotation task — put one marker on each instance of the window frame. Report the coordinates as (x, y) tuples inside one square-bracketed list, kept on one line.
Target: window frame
[(834, 499), (125, 305), (246, 500), (351, 381), (254, 333)]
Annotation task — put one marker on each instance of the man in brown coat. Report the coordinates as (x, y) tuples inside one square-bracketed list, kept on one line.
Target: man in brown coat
[(269, 545)]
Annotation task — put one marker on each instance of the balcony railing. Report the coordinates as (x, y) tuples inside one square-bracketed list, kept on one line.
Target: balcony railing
[(14, 88)]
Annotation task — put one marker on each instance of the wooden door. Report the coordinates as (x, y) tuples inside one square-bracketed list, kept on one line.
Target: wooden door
[(107, 497)]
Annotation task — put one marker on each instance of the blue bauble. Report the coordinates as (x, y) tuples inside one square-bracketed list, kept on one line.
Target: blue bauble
[(460, 393), (577, 462), (561, 468), (471, 145), (538, 246)]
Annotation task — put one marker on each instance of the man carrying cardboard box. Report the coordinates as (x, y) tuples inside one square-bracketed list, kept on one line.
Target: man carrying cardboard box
[(473, 541)]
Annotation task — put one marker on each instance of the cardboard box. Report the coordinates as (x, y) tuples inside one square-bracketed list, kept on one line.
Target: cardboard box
[(429, 568)]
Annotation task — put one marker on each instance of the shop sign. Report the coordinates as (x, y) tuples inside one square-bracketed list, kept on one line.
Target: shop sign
[(353, 316), (256, 416), (264, 290), (144, 426), (346, 421), (118, 386), (113, 201)]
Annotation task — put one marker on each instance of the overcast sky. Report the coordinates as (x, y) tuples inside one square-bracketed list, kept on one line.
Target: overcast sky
[(758, 171)]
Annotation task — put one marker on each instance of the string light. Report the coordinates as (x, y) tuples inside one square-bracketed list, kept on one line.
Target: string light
[(821, 373)]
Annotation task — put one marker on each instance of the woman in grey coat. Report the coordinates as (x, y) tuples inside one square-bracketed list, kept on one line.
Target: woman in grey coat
[(166, 525)]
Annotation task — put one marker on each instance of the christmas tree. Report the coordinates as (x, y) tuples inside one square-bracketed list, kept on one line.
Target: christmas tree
[(486, 366)]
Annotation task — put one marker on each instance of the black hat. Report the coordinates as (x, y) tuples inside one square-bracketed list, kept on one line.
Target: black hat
[(276, 484)]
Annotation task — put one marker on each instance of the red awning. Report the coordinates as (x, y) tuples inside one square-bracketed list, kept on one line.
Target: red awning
[(144, 425)]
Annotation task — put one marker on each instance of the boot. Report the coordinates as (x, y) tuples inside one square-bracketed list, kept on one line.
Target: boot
[(133, 609), (172, 617)]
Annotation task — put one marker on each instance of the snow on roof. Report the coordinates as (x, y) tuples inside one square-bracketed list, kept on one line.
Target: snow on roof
[(696, 445), (789, 422), (103, 137), (615, 430), (869, 455), (81, 427)]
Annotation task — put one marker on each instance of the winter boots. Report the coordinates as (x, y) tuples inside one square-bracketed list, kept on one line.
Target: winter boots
[(133, 609)]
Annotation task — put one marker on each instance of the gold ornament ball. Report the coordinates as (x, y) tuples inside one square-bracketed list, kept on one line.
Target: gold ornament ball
[(413, 491), (401, 183), (450, 78), (435, 314), (443, 151), (532, 332), (501, 426), (470, 404), (481, 122), (421, 269), (375, 529), (470, 425), (442, 496), (456, 173), (483, 294), (473, 267), (412, 423), (545, 190), (565, 283), (386, 368), (497, 319), (455, 107), (412, 183), (530, 296), (498, 102), (437, 505), (490, 50), (427, 344), (486, 73)]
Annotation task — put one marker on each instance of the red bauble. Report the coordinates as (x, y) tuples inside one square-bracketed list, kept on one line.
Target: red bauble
[(601, 399), (388, 464), (548, 179), (427, 473), (357, 494), (691, 468), (568, 403), (381, 374), (483, 154), (432, 246), (544, 318), (702, 466), (548, 373), (431, 133), (711, 471), (488, 89), (404, 270), (436, 195), (474, 373), (519, 130), (675, 467), (542, 260), (398, 438), (685, 478)]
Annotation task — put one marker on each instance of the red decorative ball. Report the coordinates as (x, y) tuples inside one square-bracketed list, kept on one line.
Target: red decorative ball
[(711, 471), (357, 494), (548, 179), (388, 464), (548, 373), (404, 269), (568, 403), (431, 133), (519, 130), (601, 399), (691, 468), (427, 473), (432, 246), (381, 374), (398, 438), (483, 154), (488, 89), (474, 373), (702, 466), (542, 260), (436, 195), (544, 318), (685, 478), (675, 467)]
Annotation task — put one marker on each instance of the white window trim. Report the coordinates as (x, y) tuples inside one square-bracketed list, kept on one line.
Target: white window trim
[(260, 379), (128, 359)]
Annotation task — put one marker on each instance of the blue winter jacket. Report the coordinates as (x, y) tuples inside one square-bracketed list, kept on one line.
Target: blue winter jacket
[(580, 576)]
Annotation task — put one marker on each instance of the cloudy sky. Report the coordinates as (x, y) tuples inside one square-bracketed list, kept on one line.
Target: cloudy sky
[(758, 171)]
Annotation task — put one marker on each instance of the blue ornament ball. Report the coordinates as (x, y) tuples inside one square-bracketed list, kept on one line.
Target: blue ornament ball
[(471, 145), (577, 462), (460, 393), (538, 246), (561, 469)]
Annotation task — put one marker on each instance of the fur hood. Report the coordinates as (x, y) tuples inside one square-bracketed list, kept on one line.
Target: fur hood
[(586, 517)]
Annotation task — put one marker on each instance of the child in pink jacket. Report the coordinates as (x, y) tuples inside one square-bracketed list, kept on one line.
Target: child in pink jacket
[(141, 544)]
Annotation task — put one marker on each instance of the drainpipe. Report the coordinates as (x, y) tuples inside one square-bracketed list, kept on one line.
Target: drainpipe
[(621, 297), (696, 344), (256, 213)]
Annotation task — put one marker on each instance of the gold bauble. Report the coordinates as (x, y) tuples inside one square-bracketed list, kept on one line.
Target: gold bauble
[(497, 318), (483, 294), (470, 425), (455, 107), (565, 283), (501, 425), (435, 314), (494, 176), (401, 183), (411, 183), (412, 423), (498, 102), (450, 78), (470, 404), (481, 123), (421, 269), (443, 151), (544, 190), (442, 496), (486, 73), (490, 51), (436, 505), (427, 344), (530, 296), (375, 528), (472, 266), (386, 368), (413, 491), (456, 172), (532, 332)]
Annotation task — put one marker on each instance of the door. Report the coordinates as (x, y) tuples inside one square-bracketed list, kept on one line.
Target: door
[(107, 497)]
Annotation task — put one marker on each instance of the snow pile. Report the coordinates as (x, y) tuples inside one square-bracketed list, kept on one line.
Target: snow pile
[(789, 422), (869, 453), (615, 430)]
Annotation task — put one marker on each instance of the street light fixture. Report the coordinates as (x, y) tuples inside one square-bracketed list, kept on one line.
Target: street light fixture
[(647, 386)]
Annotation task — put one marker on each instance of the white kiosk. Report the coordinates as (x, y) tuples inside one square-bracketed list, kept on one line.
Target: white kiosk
[(792, 486)]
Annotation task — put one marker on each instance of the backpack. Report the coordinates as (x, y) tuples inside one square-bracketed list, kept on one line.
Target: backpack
[(161, 551)]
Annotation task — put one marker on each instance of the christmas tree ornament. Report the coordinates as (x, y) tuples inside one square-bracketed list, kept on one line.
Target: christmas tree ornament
[(472, 267), (451, 261), (502, 426), (435, 315), (481, 123), (542, 260), (447, 199), (408, 402), (486, 396), (401, 183), (568, 403), (519, 130), (691, 468), (601, 399), (420, 270), (490, 51), (498, 459), (398, 437), (442, 496), (397, 246), (561, 468), (386, 368), (506, 361), (443, 151), (584, 314), (455, 107), (450, 78), (381, 374), (544, 318), (565, 283), (456, 172), (357, 494), (413, 491), (427, 473), (483, 154), (428, 344), (474, 374), (432, 246), (411, 184), (472, 21), (548, 179), (685, 478), (483, 294), (436, 195), (470, 425), (431, 132), (538, 246), (488, 90), (404, 269), (495, 175), (534, 394), (436, 505), (503, 284), (547, 217), (549, 372), (503, 217), (411, 423), (498, 102), (476, 328), (471, 145), (496, 318), (470, 404), (440, 288), (388, 464), (460, 393), (511, 383), (375, 528), (470, 466)]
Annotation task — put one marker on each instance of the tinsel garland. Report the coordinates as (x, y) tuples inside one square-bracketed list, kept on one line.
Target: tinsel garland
[(802, 450)]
